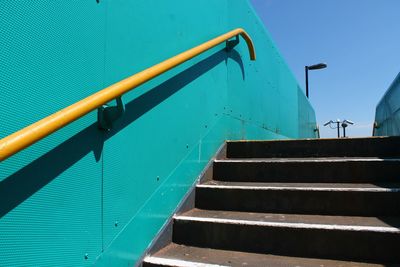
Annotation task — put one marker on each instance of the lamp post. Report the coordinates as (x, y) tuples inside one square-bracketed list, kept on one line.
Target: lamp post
[(337, 126), (313, 67)]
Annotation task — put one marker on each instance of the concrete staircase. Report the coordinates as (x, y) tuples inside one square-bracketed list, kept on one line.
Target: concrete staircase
[(327, 202)]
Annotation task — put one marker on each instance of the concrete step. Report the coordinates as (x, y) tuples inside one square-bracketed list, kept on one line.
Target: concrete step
[(346, 147), (175, 255), (350, 170), (292, 203), (303, 198), (354, 239)]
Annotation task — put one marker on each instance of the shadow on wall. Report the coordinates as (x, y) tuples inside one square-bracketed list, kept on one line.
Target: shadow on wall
[(18, 187)]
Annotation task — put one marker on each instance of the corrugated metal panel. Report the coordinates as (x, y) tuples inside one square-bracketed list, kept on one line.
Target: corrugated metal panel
[(51, 55), (83, 196), (387, 115)]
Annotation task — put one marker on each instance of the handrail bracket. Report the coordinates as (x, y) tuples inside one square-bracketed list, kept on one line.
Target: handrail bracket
[(230, 44), (106, 114)]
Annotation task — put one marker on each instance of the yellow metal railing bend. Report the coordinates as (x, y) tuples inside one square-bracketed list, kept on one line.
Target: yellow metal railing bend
[(39, 130)]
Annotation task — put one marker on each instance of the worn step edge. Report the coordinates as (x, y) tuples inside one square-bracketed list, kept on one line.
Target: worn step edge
[(358, 228), (373, 221), (190, 256), (265, 186), (160, 261), (314, 139), (285, 160)]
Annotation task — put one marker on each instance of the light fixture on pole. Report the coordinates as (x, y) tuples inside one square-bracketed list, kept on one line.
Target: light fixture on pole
[(337, 126), (343, 123), (313, 67), (346, 123)]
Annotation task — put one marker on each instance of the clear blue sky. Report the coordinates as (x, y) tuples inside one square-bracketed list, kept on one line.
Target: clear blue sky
[(358, 39)]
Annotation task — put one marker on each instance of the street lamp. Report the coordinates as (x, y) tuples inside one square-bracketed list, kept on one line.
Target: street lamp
[(337, 127), (313, 67), (346, 123)]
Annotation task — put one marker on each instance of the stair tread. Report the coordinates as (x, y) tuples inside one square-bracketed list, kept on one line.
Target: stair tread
[(369, 187), (312, 159), (381, 224), (183, 256), (305, 140), (346, 147)]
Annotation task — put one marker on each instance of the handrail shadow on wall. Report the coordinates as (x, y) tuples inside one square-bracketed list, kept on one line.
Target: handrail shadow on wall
[(32, 133), (19, 186)]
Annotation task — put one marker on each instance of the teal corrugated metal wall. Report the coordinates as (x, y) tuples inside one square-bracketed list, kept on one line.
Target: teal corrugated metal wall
[(387, 115), (82, 196)]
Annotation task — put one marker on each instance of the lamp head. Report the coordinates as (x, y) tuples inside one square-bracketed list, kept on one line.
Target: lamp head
[(317, 66), (349, 122)]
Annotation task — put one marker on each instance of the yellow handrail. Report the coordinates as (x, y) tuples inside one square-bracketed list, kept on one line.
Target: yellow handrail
[(39, 130)]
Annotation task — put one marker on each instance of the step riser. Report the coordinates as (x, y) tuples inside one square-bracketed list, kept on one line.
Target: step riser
[(300, 202), (381, 147), (317, 243), (312, 172)]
